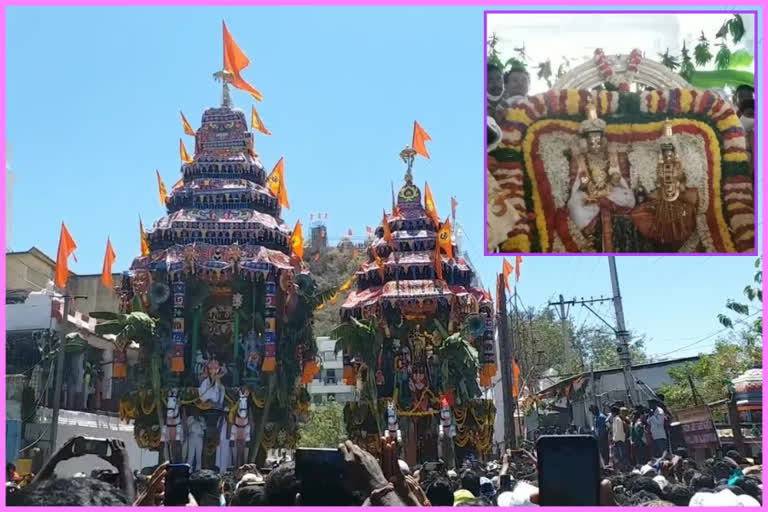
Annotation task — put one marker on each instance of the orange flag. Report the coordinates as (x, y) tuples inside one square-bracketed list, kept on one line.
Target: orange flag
[(429, 205), (187, 128), (66, 247), (518, 261), (379, 262), (143, 239), (515, 377), (276, 183), (297, 241), (109, 259), (454, 204), (387, 231), (506, 271), (178, 184), (420, 137), (234, 62), (256, 123), (184, 155), (161, 187), (444, 239)]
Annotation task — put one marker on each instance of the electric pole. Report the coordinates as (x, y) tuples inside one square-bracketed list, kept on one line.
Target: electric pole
[(621, 333), (505, 356), (563, 314), (59, 371)]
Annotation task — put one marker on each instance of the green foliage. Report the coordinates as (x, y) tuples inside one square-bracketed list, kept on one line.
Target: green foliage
[(686, 65), (701, 52), (494, 58), (459, 367), (545, 72), (721, 79), (723, 57), (325, 428), (670, 61), (733, 354), (541, 342), (733, 26), (332, 268)]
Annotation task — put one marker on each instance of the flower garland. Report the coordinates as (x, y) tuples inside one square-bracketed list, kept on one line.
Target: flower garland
[(700, 115), (605, 69)]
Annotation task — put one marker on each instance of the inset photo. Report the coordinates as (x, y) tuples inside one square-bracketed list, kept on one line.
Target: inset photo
[(622, 132)]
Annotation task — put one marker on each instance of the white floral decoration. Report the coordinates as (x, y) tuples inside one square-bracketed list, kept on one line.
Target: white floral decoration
[(552, 148)]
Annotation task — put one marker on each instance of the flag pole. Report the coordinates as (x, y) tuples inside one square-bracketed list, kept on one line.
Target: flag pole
[(59, 370)]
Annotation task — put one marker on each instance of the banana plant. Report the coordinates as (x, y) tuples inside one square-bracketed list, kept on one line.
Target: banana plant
[(459, 366), (363, 339), (142, 329)]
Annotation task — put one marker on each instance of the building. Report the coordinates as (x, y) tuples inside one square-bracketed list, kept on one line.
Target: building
[(567, 401), (328, 385), (33, 270)]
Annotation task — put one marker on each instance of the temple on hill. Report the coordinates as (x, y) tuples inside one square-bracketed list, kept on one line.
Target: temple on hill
[(233, 341), (428, 338)]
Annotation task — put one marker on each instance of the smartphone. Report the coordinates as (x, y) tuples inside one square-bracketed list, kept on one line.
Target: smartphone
[(319, 463), (433, 466), (177, 485), (569, 470), (90, 446)]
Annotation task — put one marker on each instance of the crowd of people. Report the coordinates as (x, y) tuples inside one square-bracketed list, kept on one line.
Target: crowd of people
[(629, 477)]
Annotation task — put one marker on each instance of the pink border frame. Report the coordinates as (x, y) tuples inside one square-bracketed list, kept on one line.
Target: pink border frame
[(476, 3), (759, 67)]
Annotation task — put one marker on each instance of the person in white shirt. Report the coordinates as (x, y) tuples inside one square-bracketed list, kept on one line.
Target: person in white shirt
[(195, 425), (618, 438), (657, 421)]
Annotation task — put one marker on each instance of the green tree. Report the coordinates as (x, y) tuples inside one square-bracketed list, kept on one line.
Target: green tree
[(738, 350), (325, 428), (330, 269)]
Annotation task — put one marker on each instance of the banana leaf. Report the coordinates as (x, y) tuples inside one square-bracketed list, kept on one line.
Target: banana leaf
[(721, 78), (459, 367)]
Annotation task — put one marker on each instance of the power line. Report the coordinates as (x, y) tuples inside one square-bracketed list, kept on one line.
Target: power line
[(711, 335)]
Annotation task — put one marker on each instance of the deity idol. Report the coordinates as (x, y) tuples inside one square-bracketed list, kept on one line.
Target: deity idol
[(669, 217), (600, 195)]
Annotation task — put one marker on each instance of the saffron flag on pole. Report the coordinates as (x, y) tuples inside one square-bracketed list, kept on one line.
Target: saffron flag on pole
[(385, 225), (297, 241), (515, 378), (187, 127), (420, 138), (234, 62), (444, 239), (256, 122), (143, 239), (429, 205), (276, 183), (66, 247), (106, 271), (178, 184), (380, 263), (184, 155), (506, 270), (518, 261), (161, 188)]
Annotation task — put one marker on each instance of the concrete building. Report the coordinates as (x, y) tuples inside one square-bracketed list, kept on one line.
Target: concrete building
[(567, 401), (328, 384), (33, 270)]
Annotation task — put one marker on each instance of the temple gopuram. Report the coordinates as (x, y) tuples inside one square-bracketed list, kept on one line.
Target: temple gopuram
[(417, 336), (229, 303)]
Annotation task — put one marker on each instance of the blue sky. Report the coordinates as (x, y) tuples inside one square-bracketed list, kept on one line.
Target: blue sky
[(93, 96)]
